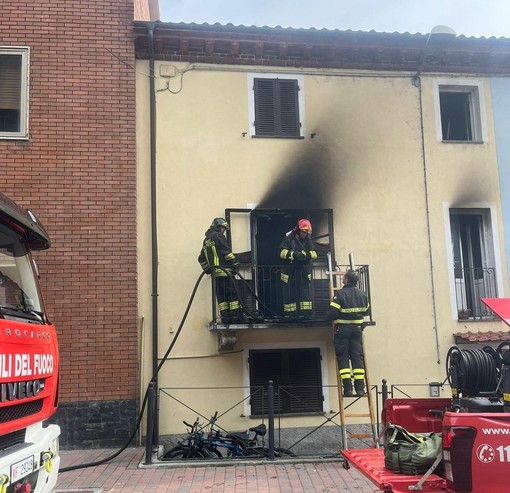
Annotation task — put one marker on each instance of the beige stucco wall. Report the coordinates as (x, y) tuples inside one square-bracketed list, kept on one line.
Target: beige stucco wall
[(368, 147)]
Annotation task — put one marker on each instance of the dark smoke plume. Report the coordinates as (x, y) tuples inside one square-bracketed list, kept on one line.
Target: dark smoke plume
[(305, 183)]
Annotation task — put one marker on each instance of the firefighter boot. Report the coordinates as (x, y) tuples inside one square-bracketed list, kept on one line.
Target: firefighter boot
[(359, 386), (347, 385), (225, 317)]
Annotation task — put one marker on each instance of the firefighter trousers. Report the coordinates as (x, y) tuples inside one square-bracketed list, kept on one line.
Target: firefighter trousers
[(348, 343), (297, 294), (228, 302)]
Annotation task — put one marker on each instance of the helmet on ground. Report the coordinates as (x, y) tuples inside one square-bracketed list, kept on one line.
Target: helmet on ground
[(219, 222), (304, 225)]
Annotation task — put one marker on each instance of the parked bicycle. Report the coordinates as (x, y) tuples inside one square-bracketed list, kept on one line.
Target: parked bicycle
[(217, 443), (195, 446)]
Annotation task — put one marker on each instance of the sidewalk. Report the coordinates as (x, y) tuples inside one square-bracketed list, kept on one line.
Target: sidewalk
[(127, 474)]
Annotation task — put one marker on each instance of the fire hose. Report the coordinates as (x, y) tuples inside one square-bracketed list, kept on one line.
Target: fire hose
[(477, 372)]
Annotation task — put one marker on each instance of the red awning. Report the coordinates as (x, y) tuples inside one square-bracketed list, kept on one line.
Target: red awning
[(500, 306)]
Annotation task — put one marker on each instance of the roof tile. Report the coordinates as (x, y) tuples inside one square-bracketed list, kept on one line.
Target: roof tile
[(490, 336)]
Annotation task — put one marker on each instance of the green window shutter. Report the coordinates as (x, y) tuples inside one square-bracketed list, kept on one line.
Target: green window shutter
[(276, 107)]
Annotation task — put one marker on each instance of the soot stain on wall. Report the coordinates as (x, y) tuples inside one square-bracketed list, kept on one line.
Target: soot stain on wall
[(306, 182)]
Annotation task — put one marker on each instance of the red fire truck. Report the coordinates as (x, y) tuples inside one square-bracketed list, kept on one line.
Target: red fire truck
[(29, 360), (475, 427)]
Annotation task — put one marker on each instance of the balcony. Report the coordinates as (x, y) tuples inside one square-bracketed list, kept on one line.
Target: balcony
[(472, 284), (260, 291)]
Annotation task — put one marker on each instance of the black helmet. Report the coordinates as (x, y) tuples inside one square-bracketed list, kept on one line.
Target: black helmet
[(219, 222)]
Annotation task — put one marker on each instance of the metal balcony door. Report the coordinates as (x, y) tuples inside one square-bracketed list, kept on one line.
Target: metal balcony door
[(470, 256)]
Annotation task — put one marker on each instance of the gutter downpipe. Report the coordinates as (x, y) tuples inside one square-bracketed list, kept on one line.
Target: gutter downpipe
[(417, 83), (154, 232)]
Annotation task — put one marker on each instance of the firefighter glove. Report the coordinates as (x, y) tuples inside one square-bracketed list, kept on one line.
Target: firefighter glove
[(299, 256)]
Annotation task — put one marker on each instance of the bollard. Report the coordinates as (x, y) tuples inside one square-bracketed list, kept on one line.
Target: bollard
[(150, 423), (384, 391), (270, 417)]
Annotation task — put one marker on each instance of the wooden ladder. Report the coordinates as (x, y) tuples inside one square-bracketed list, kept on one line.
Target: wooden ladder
[(335, 284)]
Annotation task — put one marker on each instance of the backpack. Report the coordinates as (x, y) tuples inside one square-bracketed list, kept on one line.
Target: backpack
[(410, 453)]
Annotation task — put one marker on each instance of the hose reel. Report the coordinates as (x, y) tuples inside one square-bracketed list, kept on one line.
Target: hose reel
[(479, 373)]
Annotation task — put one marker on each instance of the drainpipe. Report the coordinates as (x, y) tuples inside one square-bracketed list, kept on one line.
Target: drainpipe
[(417, 83), (442, 34), (154, 229)]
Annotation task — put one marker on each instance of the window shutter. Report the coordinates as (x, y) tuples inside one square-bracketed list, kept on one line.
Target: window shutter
[(264, 366), (296, 375), (10, 82), (305, 382), (264, 107), (289, 107), (276, 107)]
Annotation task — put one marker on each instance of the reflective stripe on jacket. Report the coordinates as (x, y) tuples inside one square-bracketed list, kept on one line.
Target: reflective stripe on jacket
[(349, 306), (292, 244), (216, 252)]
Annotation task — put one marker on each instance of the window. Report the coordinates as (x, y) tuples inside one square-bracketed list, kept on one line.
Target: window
[(258, 234), (296, 375), (13, 92), (276, 108), (460, 111), (473, 261)]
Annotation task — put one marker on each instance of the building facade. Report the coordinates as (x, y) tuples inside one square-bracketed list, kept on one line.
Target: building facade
[(392, 137)]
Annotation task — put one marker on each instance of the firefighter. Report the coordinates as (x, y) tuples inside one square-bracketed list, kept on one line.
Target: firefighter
[(347, 310), (217, 253), (298, 252)]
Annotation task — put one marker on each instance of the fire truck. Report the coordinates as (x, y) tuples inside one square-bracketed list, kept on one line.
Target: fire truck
[(474, 426), (29, 359)]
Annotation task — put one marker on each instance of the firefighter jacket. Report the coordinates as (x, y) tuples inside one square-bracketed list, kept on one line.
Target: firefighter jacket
[(349, 306), (216, 252), (297, 251)]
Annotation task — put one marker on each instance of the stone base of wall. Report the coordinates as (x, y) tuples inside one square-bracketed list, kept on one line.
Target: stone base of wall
[(96, 424)]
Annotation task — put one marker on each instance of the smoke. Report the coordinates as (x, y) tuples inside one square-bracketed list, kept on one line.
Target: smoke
[(306, 182)]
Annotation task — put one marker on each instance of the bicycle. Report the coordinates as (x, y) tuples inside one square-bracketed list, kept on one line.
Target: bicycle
[(233, 444), (196, 446), (239, 444)]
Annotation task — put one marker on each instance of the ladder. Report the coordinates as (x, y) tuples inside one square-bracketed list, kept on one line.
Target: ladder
[(335, 284)]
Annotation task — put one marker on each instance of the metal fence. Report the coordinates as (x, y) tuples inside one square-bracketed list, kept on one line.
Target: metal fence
[(322, 439), (321, 436), (261, 291), (472, 284)]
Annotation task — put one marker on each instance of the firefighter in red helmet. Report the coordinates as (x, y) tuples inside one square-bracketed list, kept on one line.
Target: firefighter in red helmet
[(297, 251), (217, 258)]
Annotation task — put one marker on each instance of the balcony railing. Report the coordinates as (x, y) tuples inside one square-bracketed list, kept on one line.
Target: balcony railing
[(261, 292), (472, 284)]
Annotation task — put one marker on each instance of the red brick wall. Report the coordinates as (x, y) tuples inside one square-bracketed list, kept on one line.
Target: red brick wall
[(77, 172)]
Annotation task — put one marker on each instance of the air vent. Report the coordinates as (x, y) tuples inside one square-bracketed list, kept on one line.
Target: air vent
[(19, 411)]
